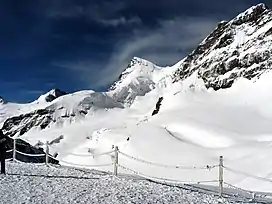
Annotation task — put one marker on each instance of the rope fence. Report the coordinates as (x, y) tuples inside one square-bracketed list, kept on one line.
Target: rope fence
[(248, 175), (30, 155), (168, 166), (116, 153), (84, 155), (164, 180)]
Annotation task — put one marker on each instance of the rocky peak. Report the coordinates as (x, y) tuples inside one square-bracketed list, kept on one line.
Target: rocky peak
[(238, 48), (134, 64), (250, 15), (51, 95), (2, 101), (136, 80)]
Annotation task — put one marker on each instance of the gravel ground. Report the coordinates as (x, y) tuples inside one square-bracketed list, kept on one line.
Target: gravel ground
[(66, 185)]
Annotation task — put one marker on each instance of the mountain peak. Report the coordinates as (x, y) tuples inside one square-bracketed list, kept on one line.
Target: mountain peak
[(238, 48), (250, 15), (136, 64), (51, 95), (2, 101)]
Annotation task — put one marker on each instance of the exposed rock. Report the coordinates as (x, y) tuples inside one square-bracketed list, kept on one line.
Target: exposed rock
[(158, 105), (238, 48), (23, 123), (2, 101)]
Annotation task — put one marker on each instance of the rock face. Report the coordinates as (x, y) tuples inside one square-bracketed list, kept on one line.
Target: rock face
[(23, 123), (158, 105), (238, 48), (2, 101), (51, 95), (136, 80), (139, 78)]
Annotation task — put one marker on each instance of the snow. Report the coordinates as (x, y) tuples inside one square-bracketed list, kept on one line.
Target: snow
[(193, 128), (138, 79), (26, 183)]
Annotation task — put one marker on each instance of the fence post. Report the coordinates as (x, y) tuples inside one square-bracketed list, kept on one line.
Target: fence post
[(14, 149), (47, 153), (115, 161), (221, 176)]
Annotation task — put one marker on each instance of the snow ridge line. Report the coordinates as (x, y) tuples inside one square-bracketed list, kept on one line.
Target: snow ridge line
[(208, 167), (247, 174)]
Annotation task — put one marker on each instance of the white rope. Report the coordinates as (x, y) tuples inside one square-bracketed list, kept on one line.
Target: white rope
[(237, 188), (168, 166), (11, 150), (165, 180), (252, 194), (30, 155), (247, 174), (84, 155), (82, 165), (9, 159)]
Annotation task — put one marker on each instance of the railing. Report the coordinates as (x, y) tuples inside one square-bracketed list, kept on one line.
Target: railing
[(116, 153)]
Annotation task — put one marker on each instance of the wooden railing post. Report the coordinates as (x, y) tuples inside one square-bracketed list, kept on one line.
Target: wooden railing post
[(47, 153), (14, 149), (221, 180), (115, 168)]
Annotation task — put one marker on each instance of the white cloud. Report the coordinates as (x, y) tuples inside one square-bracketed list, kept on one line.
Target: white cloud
[(163, 46), (121, 21), (166, 45)]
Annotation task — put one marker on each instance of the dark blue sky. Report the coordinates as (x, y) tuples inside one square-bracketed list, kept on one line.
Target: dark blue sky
[(85, 44)]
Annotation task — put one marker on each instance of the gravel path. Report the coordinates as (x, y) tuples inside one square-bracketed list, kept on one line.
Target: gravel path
[(65, 185)]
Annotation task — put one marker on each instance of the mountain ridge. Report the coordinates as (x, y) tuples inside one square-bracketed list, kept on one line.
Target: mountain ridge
[(229, 50)]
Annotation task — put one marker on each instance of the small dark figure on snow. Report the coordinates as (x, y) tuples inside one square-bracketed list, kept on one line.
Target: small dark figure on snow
[(2, 152)]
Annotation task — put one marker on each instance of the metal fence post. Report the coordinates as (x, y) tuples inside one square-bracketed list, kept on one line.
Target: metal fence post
[(14, 149), (115, 161), (47, 153), (221, 181)]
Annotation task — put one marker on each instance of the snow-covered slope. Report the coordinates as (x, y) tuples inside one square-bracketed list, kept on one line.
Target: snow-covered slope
[(8, 109), (194, 124), (57, 113)]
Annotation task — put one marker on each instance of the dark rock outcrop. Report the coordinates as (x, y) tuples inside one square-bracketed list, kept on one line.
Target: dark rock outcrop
[(53, 94), (158, 105), (2, 101)]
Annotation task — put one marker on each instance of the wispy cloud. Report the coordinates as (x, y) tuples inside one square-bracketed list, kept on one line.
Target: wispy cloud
[(32, 92), (166, 45), (121, 21)]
